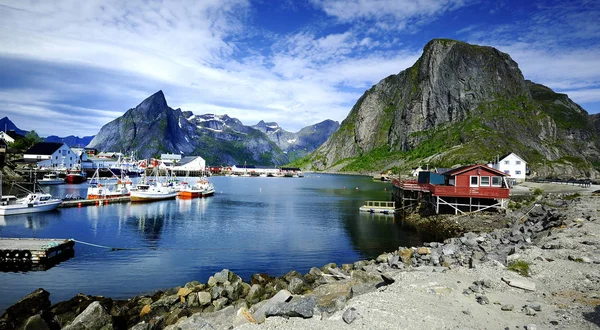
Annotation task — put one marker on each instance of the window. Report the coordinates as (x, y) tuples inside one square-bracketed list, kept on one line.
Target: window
[(507, 171), (474, 181), (484, 181), (517, 172), (506, 162), (496, 181), (518, 162)]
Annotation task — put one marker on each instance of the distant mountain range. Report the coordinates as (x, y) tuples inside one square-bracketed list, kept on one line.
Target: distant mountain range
[(153, 128), (71, 141)]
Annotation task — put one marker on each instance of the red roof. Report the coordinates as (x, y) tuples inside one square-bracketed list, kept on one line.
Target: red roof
[(463, 169)]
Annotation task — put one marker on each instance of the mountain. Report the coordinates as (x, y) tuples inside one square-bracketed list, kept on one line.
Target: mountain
[(153, 128), (301, 143), (460, 104), (71, 141), (150, 129), (7, 125)]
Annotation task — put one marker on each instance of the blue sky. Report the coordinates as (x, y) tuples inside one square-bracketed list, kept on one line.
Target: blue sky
[(69, 67)]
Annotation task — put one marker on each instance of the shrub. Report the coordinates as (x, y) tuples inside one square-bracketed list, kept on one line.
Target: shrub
[(519, 266)]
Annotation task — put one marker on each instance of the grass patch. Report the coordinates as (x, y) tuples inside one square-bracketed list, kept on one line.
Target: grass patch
[(572, 196), (519, 266)]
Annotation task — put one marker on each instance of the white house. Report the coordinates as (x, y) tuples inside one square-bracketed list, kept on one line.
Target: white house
[(512, 165), (51, 155), (7, 138), (190, 163)]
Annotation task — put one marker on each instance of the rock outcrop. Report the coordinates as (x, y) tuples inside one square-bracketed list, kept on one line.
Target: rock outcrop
[(462, 103)]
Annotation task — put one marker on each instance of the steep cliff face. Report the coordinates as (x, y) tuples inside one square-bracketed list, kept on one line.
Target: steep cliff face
[(149, 129), (460, 103)]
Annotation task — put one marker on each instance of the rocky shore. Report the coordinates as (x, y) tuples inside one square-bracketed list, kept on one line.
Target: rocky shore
[(541, 270)]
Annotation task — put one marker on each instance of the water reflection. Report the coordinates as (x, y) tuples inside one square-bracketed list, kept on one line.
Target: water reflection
[(29, 221)]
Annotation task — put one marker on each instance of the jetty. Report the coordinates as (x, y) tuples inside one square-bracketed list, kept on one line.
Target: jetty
[(92, 202), (34, 250), (384, 207)]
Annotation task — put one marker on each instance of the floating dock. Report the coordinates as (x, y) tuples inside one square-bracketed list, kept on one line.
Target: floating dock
[(34, 250), (90, 202), (384, 207)]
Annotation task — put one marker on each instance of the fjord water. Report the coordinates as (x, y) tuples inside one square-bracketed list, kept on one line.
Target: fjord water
[(251, 225)]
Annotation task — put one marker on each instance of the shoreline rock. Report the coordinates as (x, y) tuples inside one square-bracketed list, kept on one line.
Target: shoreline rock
[(469, 271)]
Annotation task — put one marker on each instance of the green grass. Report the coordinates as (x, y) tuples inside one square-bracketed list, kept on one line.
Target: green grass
[(519, 266)]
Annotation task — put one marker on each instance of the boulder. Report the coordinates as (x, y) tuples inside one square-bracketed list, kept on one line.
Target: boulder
[(93, 317), (297, 307), (282, 296), (32, 304), (350, 315), (204, 298), (255, 294)]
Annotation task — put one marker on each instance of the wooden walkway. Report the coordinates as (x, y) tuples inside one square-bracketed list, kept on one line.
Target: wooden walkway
[(90, 202), (33, 250)]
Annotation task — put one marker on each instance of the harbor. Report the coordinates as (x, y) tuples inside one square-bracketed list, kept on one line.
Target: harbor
[(256, 225)]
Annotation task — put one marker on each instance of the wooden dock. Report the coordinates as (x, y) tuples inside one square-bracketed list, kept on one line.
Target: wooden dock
[(91, 202), (34, 250)]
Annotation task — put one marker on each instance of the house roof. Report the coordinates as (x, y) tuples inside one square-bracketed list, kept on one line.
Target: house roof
[(463, 169), (511, 153), (44, 148), (186, 160)]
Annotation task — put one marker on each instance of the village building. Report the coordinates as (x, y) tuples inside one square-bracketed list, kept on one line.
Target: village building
[(51, 155), (6, 137), (513, 165), (195, 165), (465, 189)]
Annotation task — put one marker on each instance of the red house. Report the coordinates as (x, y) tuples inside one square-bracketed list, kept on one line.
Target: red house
[(465, 189)]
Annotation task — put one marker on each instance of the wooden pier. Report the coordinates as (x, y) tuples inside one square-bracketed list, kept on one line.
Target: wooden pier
[(34, 250), (91, 202)]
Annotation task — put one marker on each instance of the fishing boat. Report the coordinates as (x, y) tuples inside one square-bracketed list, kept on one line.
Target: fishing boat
[(35, 201), (209, 189), (99, 190), (76, 175), (128, 166), (155, 191), (51, 178)]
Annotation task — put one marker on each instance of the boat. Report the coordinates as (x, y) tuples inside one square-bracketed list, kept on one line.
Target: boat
[(128, 166), (51, 178), (76, 175), (150, 192), (209, 189), (99, 190), (34, 202), (384, 207)]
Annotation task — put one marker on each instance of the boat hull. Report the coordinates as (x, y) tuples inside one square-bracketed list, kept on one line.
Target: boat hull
[(51, 182), (137, 196), (187, 194), (29, 208), (75, 179)]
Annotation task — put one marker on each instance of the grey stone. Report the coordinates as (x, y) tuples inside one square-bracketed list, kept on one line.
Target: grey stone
[(141, 326), (387, 279), (350, 315), (530, 327), (528, 311), (204, 298), (36, 322), (475, 288), (256, 293), (482, 300), (535, 306), (296, 285), (297, 307), (93, 317), (449, 249), (520, 283), (280, 297), (508, 307)]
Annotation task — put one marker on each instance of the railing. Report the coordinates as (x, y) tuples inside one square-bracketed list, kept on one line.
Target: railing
[(477, 192), (411, 185)]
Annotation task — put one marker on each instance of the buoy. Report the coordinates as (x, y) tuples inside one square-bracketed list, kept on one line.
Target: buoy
[(79, 204), (356, 188)]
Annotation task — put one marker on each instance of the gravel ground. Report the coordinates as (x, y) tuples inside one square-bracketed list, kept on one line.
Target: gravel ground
[(564, 266)]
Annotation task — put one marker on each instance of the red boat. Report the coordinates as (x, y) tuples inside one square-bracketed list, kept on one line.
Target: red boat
[(76, 176)]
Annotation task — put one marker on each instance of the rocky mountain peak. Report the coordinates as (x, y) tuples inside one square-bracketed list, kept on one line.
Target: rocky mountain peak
[(155, 102)]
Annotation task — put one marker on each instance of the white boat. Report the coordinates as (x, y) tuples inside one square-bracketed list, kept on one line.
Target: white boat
[(100, 189), (384, 207), (32, 203), (51, 179), (156, 191)]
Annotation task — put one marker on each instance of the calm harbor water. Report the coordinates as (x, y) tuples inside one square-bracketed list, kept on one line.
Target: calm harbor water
[(251, 225)]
